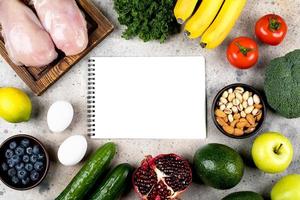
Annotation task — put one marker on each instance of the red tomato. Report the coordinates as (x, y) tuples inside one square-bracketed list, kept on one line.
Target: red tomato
[(242, 52), (271, 29)]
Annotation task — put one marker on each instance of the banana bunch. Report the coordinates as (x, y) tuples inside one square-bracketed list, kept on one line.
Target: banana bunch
[(213, 20)]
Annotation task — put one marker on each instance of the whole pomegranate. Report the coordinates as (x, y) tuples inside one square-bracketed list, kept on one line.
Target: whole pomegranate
[(163, 177)]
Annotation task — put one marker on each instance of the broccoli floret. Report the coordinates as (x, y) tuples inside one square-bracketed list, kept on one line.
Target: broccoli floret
[(282, 84)]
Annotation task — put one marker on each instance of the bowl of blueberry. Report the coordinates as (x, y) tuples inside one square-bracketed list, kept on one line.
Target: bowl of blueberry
[(24, 162)]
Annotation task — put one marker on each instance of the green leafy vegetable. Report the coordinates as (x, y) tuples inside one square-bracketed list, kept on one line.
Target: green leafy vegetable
[(147, 19), (282, 84)]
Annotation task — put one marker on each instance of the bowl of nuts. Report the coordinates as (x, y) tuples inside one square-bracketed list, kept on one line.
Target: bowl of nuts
[(238, 111)]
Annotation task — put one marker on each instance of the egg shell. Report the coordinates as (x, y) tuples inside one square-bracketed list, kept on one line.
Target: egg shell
[(72, 150), (60, 115)]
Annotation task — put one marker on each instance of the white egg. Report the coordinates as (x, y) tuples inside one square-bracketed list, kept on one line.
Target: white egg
[(60, 115), (72, 150)]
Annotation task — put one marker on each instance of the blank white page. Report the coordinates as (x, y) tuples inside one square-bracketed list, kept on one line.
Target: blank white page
[(150, 97)]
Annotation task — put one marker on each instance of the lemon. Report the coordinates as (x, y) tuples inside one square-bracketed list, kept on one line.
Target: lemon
[(15, 105)]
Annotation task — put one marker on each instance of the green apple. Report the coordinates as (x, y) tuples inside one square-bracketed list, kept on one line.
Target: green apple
[(287, 188), (272, 152)]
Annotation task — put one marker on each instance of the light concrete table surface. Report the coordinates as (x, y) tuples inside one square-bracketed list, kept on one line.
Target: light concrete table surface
[(72, 87)]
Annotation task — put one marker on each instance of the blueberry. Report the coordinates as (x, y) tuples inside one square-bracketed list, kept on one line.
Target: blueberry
[(13, 145), (11, 172), (26, 158), (21, 174), (29, 167), (33, 158), (25, 181), (36, 149), (41, 156), (25, 142), (19, 151), (29, 150), (4, 167), (15, 180), (19, 166), (9, 153), (38, 166), (16, 159), (11, 163), (34, 175)]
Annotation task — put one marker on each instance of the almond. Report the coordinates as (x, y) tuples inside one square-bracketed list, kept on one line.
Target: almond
[(228, 129), (238, 132), (249, 130), (236, 116), (258, 106), (220, 121), (220, 113), (233, 124), (241, 124), (250, 119), (258, 117)]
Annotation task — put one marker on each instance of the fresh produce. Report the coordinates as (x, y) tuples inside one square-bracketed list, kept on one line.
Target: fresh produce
[(242, 52), (245, 195), (162, 177), (59, 116), (287, 188), (203, 17), (271, 29), (272, 152), (67, 154), (15, 105), (114, 184), (222, 25), (24, 163), (218, 166), (65, 23), (238, 111), (149, 20), (26, 41), (89, 173), (184, 9), (282, 86)]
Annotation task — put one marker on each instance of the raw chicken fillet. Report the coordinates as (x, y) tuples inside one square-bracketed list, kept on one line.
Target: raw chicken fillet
[(65, 23), (26, 41)]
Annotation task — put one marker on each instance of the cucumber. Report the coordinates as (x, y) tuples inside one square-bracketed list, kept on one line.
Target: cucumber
[(89, 173), (114, 184)]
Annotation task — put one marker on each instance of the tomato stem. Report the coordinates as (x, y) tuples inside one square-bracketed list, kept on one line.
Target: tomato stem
[(274, 24), (243, 50)]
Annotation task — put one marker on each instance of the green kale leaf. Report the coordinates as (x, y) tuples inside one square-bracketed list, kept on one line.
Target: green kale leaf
[(147, 19)]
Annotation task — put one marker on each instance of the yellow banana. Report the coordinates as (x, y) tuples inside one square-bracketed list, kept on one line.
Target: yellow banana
[(222, 25), (184, 9), (203, 17)]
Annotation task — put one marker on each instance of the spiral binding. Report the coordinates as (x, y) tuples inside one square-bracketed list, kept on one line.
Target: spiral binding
[(91, 98)]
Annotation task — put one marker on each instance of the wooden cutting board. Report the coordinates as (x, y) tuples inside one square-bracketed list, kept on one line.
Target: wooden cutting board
[(40, 79)]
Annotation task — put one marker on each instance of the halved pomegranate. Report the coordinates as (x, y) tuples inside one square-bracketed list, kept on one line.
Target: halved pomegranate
[(163, 177)]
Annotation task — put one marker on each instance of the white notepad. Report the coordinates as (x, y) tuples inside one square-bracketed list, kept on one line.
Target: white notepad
[(147, 97)]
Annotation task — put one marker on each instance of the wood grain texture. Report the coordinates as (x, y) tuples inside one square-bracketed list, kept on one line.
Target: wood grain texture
[(40, 79)]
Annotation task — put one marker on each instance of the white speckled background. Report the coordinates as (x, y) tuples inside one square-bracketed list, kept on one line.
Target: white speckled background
[(72, 87)]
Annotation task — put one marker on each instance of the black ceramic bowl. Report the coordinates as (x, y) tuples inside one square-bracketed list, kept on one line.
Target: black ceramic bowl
[(40, 169), (247, 88)]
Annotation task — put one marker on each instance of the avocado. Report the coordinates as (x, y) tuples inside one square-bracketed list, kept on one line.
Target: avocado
[(218, 166), (244, 195)]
